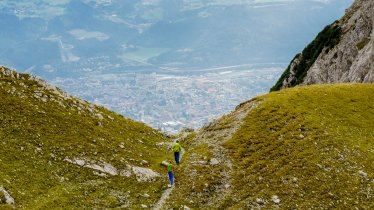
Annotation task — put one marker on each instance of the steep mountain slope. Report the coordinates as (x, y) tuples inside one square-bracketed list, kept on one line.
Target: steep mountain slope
[(309, 147), (58, 151), (342, 52), (300, 148)]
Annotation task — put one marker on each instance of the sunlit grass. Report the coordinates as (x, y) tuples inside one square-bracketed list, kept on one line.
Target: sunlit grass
[(36, 137), (310, 146)]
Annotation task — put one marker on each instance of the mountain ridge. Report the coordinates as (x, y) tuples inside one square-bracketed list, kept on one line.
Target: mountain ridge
[(342, 52)]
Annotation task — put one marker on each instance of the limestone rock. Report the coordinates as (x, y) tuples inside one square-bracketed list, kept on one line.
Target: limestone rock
[(213, 162), (260, 201), (99, 166), (125, 173), (351, 60), (145, 174), (362, 173), (275, 199), (144, 206), (185, 208), (8, 199)]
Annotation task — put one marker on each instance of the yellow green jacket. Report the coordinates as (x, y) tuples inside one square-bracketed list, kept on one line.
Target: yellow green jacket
[(177, 147)]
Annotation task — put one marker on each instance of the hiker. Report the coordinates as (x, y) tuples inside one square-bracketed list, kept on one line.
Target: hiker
[(177, 148), (170, 170)]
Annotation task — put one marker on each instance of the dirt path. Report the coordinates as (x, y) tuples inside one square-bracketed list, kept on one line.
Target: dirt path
[(213, 135), (166, 194)]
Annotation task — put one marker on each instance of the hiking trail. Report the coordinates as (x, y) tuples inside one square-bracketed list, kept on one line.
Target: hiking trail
[(166, 194)]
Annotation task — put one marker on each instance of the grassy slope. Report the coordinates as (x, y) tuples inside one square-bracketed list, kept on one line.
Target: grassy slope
[(199, 183), (311, 146), (37, 136)]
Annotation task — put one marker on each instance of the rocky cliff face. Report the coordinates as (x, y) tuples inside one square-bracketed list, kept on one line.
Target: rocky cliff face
[(342, 52)]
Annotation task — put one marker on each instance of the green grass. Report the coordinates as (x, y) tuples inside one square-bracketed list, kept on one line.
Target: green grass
[(195, 179), (200, 184), (307, 145), (37, 136), (361, 44)]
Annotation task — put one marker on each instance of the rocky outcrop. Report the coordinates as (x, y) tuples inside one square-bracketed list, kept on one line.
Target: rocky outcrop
[(8, 199), (145, 174), (104, 169), (351, 59)]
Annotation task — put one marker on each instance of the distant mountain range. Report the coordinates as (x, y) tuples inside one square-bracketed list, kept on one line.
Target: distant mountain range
[(72, 37)]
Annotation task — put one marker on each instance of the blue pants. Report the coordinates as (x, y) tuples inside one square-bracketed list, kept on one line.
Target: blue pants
[(176, 156), (171, 177)]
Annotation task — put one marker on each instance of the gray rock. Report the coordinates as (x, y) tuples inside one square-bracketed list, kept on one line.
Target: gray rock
[(125, 173), (260, 201), (144, 206), (362, 173), (145, 174), (160, 144), (99, 166), (146, 195), (79, 162), (186, 208), (275, 199), (213, 162), (103, 167), (351, 60), (144, 162), (8, 199)]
